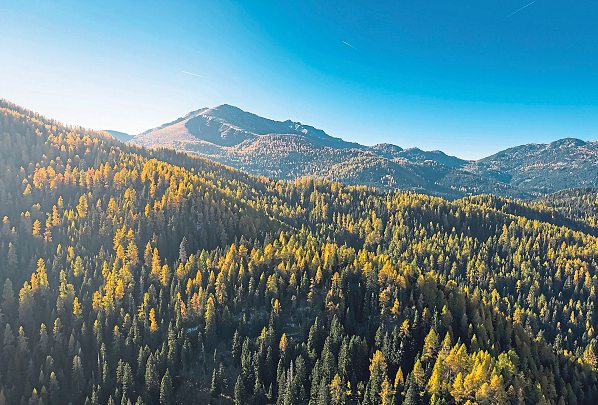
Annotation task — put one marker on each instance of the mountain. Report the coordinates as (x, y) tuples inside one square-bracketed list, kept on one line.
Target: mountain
[(287, 150), (544, 168), (131, 275), (228, 126), (121, 136)]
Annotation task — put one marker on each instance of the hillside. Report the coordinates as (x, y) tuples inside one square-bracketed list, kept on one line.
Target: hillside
[(121, 136), (577, 204), (546, 168), (288, 150), (131, 275)]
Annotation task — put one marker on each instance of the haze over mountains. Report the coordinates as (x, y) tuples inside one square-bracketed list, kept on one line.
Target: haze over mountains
[(287, 149)]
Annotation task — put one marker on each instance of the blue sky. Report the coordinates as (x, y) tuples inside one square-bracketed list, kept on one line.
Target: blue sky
[(466, 77)]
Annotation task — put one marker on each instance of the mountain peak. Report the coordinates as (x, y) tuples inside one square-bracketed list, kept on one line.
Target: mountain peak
[(226, 125), (567, 142), (121, 136), (224, 111), (225, 108)]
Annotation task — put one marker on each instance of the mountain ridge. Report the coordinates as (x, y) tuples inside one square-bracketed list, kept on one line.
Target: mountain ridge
[(289, 149)]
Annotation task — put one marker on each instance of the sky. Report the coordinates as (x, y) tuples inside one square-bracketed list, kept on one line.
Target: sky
[(468, 77)]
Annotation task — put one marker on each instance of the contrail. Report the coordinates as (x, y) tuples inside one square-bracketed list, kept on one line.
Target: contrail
[(191, 73), (348, 44), (521, 9)]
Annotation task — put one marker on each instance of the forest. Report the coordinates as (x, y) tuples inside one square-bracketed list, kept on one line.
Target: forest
[(137, 276)]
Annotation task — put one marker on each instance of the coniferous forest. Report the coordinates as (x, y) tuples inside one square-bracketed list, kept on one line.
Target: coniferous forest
[(134, 276)]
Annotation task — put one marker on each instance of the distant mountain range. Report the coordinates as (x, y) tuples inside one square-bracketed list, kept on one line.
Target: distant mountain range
[(287, 150)]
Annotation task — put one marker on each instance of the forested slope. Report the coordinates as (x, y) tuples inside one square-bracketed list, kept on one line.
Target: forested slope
[(136, 276), (578, 204)]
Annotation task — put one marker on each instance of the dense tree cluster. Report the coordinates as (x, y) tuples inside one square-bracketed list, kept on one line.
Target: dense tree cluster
[(578, 204), (131, 276)]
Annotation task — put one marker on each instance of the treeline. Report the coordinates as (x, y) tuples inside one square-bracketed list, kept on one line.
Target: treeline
[(136, 276)]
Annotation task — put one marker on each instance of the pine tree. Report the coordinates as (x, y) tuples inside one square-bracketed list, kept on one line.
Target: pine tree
[(431, 343), (8, 298), (435, 383), (78, 374), (239, 394), (378, 379), (236, 347), (419, 375), (210, 321), (183, 250), (166, 397), (337, 391), (151, 377), (411, 393), (283, 344), (215, 385)]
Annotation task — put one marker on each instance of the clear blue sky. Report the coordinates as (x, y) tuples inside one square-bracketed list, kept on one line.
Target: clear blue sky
[(467, 77)]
